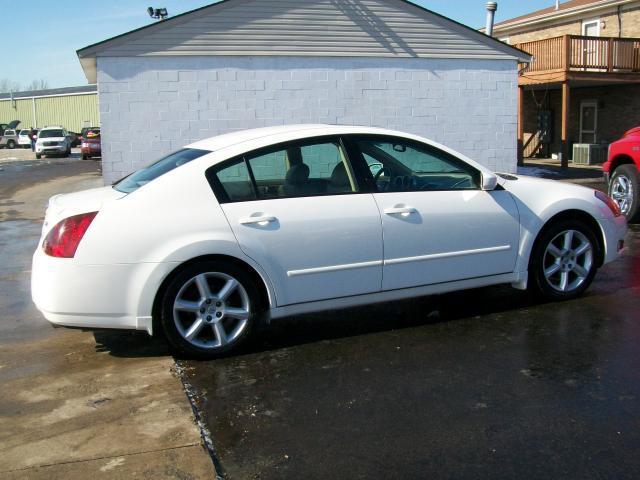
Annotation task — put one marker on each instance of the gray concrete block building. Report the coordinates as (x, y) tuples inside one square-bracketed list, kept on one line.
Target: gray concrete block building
[(240, 64)]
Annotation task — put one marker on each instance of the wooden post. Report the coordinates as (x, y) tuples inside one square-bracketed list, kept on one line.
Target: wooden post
[(520, 125), (610, 55), (567, 53), (566, 103)]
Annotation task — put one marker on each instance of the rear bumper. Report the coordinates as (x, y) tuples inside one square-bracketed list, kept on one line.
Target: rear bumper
[(90, 150), (95, 296)]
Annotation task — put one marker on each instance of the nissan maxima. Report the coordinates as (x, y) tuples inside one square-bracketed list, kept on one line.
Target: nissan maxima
[(260, 224)]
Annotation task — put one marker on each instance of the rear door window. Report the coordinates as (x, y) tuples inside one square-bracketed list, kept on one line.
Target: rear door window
[(297, 169)]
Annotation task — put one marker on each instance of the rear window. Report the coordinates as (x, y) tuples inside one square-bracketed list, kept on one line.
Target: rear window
[(50, 134), (24, 132), (153, 171)]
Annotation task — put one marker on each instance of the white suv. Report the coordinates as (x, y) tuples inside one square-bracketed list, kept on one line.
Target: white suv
[(53, 141)]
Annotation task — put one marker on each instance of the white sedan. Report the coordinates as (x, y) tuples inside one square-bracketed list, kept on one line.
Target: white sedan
[(272, 222)]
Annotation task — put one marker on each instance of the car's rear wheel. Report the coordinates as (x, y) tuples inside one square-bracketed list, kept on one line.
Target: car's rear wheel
[(623, 188), (209, 309), (564, 260), (11, 144), (38, 156)]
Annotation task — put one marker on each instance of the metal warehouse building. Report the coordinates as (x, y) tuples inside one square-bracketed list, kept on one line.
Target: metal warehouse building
[(71, 107), (238, 64)]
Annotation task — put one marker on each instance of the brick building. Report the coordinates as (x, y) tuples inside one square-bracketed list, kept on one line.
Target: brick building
[(583, 86), (249, 63)]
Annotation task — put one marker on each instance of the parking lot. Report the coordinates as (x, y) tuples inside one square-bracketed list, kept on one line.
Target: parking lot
[(462, 385), (478, 384)]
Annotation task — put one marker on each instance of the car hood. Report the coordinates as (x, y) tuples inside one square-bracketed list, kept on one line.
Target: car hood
[(539, 195), (51, 139), (69, 204)]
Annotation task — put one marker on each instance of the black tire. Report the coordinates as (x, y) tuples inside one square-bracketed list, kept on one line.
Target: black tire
[(84, 157), (38, 156), (184, 285), (626, 176), (11, 144), (542, 261)]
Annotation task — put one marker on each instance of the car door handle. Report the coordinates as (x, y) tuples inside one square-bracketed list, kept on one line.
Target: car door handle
[(399, 210), (257, 219)]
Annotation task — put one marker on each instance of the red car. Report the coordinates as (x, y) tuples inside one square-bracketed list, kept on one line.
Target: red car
[(90, 143), (622, 173)]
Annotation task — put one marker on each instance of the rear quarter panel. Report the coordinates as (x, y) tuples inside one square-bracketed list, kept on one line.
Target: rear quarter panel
[(167, 222)]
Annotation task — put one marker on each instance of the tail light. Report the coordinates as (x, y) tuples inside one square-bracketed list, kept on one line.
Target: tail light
[(63, 239), (613, 206)]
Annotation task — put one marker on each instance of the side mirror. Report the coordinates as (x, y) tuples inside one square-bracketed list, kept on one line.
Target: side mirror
[(489, 181)]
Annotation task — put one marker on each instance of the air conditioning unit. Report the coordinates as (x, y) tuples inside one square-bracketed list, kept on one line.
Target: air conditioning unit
[(589, 153)]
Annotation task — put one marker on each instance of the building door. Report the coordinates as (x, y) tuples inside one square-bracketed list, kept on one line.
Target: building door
[(588, 121), (591, 54)]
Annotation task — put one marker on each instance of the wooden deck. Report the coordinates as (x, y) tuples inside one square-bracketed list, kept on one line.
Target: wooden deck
[(580, 58)]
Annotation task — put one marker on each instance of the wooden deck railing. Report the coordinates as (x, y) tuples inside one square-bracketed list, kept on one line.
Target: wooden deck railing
[(580, 53)]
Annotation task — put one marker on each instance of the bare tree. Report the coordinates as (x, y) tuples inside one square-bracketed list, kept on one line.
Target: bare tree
[(7, 86), (40, 84)]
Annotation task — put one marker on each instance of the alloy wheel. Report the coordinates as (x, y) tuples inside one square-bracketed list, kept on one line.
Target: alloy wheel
[(621, 191), (568, 261), (211, 310)]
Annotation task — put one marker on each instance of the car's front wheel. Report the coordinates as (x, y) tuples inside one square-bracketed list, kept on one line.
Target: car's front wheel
[(623, 188), (564, 260), (209, 309)]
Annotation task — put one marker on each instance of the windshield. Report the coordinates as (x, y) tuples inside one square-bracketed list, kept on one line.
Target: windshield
[(24, 132), (153, 171), (50, 134)]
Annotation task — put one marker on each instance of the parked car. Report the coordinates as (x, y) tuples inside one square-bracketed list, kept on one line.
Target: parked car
[(90, 146), (622, 173), (9, 138), (265, 223), (24, 138), (11, 125), (53, 141)]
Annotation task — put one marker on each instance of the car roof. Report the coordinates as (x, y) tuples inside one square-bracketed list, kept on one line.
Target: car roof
[(247, 140), (291, 132)]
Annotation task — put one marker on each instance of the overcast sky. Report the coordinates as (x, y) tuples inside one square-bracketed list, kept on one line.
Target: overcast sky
[(45, 35)]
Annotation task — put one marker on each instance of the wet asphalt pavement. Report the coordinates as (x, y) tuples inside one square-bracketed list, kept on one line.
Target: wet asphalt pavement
[(19, 235), (479, 384)]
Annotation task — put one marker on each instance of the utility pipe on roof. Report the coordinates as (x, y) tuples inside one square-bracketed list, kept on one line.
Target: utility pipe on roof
[(491, 10)]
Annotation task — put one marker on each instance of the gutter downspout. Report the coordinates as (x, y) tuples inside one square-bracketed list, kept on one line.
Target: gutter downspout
[(619, 21)]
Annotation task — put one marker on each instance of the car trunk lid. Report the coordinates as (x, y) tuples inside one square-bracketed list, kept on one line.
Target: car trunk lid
[(68, 204)]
